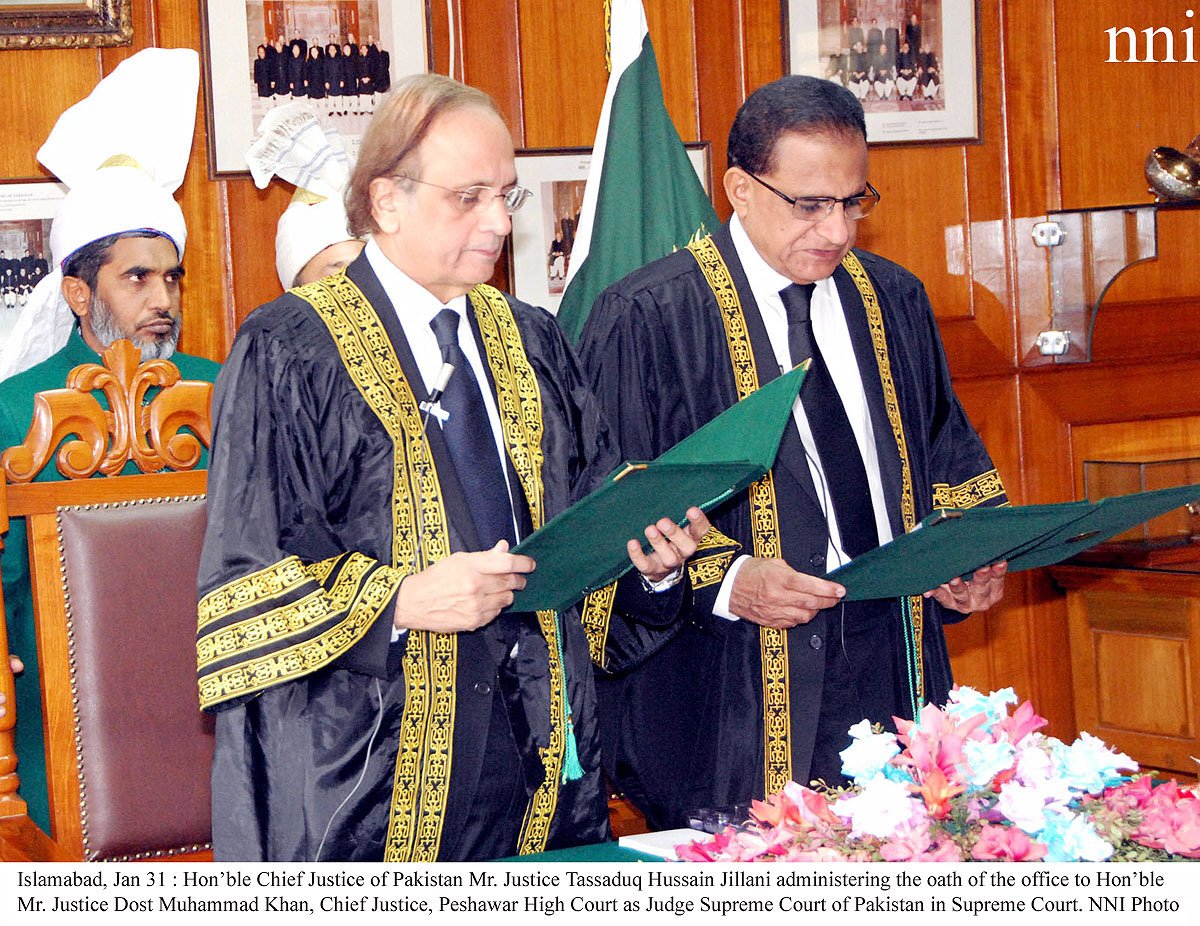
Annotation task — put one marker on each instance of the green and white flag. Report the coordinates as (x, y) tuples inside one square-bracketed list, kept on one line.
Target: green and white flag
[(643, 199)]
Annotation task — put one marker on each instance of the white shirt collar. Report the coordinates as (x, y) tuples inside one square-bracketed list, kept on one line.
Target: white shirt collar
[(764, 280), (406, 294)]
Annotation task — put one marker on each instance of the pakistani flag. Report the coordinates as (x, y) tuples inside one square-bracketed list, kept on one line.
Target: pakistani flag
[(643, 199)]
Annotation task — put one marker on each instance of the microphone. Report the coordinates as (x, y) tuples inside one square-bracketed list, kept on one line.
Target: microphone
[(442, 381), (433, 406)]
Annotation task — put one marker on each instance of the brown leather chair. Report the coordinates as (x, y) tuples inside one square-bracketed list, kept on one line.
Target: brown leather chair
[(114, 563)]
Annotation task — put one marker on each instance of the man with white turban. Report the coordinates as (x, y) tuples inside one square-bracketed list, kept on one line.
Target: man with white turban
[(117, 245), (312, 239)]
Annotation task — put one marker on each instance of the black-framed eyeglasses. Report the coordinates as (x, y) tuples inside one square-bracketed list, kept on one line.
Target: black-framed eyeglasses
[(476, 197), (815, 208)]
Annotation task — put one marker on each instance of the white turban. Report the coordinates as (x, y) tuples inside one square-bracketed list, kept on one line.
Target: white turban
[(291, 143), (122, 152)]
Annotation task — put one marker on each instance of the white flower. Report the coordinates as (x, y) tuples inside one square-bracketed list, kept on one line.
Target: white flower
[(1026, 805), (868, 753), (1034, 764), (1088, 764), (986, 760), (1071, 837), (879, 808), (966, 702)]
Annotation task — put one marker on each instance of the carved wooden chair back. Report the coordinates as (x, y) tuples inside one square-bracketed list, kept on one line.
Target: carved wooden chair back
[(113, 563)]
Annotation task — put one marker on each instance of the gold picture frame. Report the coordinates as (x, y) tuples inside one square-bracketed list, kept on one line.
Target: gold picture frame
[(65, 23)]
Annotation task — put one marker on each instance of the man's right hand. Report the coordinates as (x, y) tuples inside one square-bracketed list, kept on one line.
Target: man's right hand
[(770, 593), (464, 591)]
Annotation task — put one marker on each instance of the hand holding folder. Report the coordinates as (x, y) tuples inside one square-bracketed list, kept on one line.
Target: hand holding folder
[(951, 542), (718, 460)]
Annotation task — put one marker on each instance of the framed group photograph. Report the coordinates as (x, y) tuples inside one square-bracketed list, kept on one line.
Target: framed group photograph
[(340, 56), (913, 64), (543, 230), (26, 211)]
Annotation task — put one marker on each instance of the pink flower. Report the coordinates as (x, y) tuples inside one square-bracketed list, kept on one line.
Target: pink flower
[(914, 843), (936, 740), (1024, 720), (1170, 820), (1006, 844), (707, 851)]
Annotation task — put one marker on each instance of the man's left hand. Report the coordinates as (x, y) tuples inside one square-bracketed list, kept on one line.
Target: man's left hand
[(978, 593), (672, 545)]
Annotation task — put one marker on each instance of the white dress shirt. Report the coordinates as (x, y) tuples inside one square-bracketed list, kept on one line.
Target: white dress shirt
[(416, 307), (832, 335)]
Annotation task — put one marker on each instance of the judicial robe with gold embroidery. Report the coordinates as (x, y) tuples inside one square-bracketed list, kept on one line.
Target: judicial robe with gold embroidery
[(321, 498), (685, 710)]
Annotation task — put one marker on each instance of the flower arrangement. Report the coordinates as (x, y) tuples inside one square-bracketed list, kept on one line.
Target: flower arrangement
[(969, 781)]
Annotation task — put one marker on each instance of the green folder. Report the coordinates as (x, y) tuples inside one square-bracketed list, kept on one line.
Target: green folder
[(583, 548), (955, 542)]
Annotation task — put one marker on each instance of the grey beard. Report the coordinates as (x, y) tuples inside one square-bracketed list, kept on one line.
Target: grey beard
[(106, 330)]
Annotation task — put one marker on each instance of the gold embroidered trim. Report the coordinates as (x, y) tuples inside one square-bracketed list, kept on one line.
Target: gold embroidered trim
[(519, 400), (709, 570), (248, 591), (595, 616), (777, 749), (974, 491), (535, 828), (421, 786), (305, 657), (318, 606), (866, 290), (714, 539), (518, 395)]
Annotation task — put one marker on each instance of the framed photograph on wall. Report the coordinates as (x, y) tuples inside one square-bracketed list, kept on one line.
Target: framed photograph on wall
[(914, 64), (544, 229), (341, 56), (26, 210)]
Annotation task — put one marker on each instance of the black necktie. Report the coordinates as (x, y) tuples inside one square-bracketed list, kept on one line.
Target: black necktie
[(840, 460), (469, 436)]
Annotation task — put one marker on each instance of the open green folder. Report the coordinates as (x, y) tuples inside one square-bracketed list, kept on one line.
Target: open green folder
[(583, 548), (953, 542)]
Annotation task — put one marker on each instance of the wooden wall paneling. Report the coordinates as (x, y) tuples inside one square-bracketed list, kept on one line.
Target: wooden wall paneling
[(671, 22), (719, 43), (38, 86), (1149, 102), (1148, 331), (208, 303), (563, 89), (1173, 272), (1135, 637), (984, 340), (252, 218), (1158, 438), (145, 35), (437, 28), (763, 42), (1027, 29), (992, 650), (1053, 402), (1031, 143), (492, 60), (1046, 472), (920, 220)]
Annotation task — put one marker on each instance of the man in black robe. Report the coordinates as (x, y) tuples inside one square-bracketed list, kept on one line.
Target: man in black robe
[(760, 682), (294, 71), (371, 704)]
